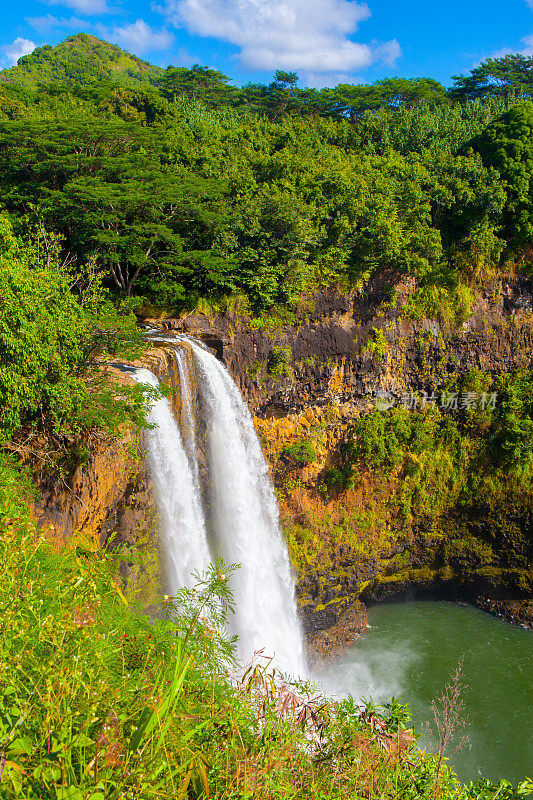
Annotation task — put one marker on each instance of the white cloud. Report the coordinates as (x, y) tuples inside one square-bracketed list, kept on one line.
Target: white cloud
[(49, 23), (138, 37), (528, 41), (18, 48), (389, 52), (83, 6), (527, 50), (309, 35)]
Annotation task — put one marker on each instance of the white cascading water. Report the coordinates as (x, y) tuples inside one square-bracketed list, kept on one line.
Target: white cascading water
[(244, 523), (183, 532)]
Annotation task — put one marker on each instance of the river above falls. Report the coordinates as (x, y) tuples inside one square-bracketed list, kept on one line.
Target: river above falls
[(410, 651)]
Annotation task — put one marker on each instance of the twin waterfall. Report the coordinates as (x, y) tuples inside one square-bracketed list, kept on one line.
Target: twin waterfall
[(223, 507)]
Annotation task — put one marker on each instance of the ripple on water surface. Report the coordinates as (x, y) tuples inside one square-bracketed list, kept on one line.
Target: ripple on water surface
[(410, 651)]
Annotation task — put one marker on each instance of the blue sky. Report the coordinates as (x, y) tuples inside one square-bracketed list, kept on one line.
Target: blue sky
[(324, 41)]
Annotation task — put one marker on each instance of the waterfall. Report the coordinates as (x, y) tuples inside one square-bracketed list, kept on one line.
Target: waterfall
[(243, 521), (240, 514), (188, 415), (183, 534)]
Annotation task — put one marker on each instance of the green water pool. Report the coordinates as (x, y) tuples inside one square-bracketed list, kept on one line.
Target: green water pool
[(410, 651)]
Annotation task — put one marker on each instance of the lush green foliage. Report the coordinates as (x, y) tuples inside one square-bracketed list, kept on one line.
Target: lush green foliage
[(50, 340), (467, 471), (79, 59), (510, 75), (280, 362), (176, 186), (507, 145), (200, 210), (185, 188), (301, 452)]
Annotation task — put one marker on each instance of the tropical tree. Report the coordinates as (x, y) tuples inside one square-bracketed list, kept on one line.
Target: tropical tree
[(105, 188), (507, 145), (388, 93), (510, 75), (196, 83)]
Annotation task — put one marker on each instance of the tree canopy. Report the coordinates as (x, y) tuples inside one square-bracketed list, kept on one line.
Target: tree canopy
[(180, 186), (507, 145), (510, 75)]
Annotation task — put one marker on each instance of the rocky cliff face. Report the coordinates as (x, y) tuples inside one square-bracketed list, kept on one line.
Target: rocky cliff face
[(336, 352), (108, 496), (108, 499)]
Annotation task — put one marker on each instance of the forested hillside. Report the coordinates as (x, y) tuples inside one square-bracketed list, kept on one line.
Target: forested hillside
[(182, 188)]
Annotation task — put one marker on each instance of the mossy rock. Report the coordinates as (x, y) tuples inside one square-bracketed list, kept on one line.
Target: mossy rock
[(505, 581), (385, 587), (489, 580), (467, 554)]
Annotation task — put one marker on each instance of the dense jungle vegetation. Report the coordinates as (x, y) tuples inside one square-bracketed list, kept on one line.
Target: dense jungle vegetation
[(127, 189), (184, 189)]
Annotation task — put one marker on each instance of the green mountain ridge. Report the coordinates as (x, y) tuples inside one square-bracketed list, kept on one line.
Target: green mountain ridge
[(81, 58)]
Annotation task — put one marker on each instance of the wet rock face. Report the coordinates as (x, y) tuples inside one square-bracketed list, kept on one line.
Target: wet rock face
[(329, 643), (520, 612), (339, 338)]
